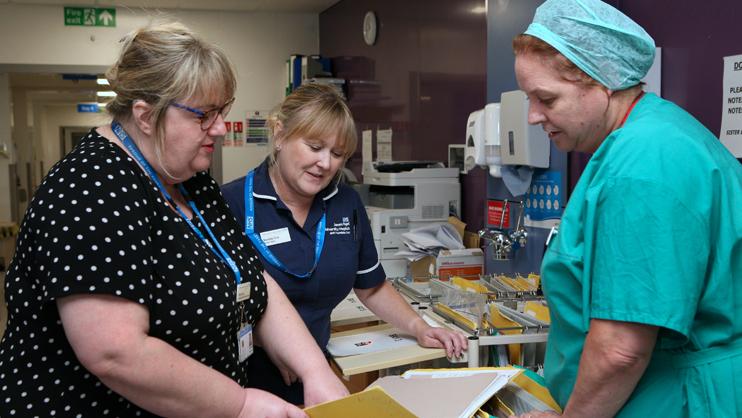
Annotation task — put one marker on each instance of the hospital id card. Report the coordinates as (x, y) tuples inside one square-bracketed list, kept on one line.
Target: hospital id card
[(276, 236), (244, 342), (243, 291)]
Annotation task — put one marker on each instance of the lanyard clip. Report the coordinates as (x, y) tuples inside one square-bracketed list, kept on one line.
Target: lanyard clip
[(553, 233)]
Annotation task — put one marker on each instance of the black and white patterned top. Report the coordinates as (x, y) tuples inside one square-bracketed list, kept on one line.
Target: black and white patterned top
[(98, 225)]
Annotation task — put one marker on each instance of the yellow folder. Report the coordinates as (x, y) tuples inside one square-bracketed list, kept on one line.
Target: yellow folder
[(500, 321), (371, 403)]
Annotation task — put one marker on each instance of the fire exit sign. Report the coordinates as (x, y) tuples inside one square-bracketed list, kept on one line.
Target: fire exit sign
[(90, 16)]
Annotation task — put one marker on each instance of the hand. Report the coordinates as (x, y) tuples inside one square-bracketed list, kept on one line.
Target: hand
[(322, 387), (454, 342), (259, 403), (536, 414)]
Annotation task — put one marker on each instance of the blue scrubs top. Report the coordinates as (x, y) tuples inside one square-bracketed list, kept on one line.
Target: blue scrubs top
[(348, 260), (652, 234)]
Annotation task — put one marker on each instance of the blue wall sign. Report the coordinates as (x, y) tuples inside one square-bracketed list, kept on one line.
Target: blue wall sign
[(87, 108), (544, 199)]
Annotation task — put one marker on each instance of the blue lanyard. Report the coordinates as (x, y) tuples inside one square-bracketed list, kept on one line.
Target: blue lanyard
[(222, 255), (319, 240)]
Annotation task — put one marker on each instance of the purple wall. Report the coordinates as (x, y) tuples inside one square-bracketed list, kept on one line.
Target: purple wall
[(694, 36), (422, 78)]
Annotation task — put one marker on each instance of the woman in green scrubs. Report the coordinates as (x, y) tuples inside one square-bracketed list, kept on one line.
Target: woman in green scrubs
[(644, 279)]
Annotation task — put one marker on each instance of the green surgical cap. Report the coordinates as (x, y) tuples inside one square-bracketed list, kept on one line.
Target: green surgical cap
[(597, 38)]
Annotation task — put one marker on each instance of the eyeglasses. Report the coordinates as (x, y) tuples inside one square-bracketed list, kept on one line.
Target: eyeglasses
[(208, 117)]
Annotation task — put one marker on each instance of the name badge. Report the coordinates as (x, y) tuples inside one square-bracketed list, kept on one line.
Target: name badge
[(244, 342), (276, 236), (243, 291)]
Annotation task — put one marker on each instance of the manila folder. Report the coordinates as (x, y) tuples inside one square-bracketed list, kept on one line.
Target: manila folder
[(448, 397), (371, 403)]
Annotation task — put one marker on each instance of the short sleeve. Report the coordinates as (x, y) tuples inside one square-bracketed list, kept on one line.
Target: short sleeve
[(649, 258), (234, 196), (95, 229), (370, 271)]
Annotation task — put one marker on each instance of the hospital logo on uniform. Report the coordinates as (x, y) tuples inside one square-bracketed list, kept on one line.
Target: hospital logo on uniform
[(340, 228)]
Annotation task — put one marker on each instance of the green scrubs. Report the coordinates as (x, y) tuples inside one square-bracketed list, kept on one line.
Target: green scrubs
[(652, 234)]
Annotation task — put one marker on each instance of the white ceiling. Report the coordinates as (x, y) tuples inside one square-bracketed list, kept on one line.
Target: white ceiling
[(280, 6)]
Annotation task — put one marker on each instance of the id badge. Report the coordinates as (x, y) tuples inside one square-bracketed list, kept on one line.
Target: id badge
[(243, 291), (244, 342)]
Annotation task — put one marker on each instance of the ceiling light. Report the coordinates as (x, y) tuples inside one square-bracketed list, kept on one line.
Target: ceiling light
[(106, 94), (102, 81)]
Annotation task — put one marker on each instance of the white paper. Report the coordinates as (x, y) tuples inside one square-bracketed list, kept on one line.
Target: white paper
[(368, 342), (429, 240), (384, 144), (351, 309), (367, 150), (731, 116), (444, 373)]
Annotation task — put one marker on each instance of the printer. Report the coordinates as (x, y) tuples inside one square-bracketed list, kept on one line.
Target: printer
[(404, 195)]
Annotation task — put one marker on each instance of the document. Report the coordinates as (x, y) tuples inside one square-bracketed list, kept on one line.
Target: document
[(445, 392), (731, 116), (368, 342), (442, 393), (429, 240)]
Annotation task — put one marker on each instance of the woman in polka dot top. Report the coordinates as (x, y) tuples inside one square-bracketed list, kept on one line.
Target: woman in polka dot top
[(123, 294)]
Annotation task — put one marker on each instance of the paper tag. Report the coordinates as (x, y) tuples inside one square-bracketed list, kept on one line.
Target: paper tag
[(276, 236), (244, 342), (243, 291)]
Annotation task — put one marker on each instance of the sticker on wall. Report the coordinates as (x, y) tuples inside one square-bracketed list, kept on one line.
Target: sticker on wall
[(495, 216), (239, 140), (228, 140), (257, 127), (544, 199)]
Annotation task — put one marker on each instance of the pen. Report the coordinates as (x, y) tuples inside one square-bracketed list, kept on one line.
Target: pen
[(355, 221)]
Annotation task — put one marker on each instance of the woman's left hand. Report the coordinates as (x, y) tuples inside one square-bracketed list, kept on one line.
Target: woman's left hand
[(536, 414), (323, 387), (454, 342)]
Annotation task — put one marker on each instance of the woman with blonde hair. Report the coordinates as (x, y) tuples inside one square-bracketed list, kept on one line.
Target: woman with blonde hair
[(311, 230), (133, 291)]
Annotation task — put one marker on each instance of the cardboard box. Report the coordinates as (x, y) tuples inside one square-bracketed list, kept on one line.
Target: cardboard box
[(467, 263)]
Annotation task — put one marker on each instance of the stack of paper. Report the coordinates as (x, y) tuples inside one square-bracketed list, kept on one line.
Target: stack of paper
[(429, 240), (448, 393)]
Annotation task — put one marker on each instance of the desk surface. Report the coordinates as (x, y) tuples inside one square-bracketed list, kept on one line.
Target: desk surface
[(362, 363)]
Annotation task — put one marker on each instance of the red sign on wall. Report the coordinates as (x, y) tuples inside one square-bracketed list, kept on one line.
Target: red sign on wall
[(494, 214)]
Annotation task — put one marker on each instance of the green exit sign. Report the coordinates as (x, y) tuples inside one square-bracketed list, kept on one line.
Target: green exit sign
[(90, 16)]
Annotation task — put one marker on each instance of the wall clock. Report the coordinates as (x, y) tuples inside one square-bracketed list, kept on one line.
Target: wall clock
[(369, 28)]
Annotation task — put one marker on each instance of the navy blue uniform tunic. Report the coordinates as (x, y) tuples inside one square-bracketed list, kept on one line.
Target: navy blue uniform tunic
[(348, 260)]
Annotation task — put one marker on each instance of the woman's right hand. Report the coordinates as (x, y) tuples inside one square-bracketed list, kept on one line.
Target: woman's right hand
[(259, 403)]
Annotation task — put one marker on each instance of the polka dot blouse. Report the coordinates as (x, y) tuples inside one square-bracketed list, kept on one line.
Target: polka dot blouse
[(98, 225)]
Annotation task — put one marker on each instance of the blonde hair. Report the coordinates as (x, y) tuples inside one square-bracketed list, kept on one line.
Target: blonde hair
[(165, 63), (313, 111)]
